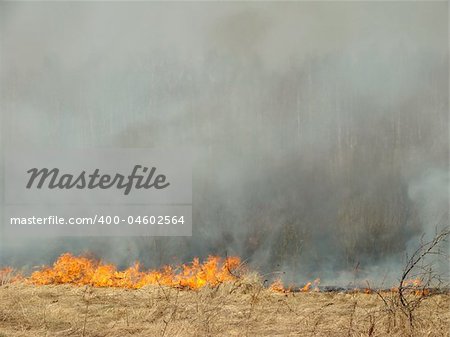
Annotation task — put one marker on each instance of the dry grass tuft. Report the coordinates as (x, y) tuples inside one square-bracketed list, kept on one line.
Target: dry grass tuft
[(240, 308)]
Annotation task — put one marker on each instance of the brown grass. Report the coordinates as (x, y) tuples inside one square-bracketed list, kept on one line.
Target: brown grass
[(243, 308)]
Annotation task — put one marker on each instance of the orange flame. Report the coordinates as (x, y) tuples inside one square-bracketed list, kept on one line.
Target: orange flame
[(278, 286), (314, 285), (9, 275), (414, 286), (79, 270)]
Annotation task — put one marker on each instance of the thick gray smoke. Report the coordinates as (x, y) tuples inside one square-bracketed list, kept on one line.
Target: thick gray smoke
[(321, 129)]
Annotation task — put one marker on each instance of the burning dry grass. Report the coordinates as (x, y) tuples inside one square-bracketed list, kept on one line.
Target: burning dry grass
[(81, 270), (78, 296), (239, 308)]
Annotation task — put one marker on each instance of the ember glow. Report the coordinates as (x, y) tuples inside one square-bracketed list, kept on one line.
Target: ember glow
[(79, 270)]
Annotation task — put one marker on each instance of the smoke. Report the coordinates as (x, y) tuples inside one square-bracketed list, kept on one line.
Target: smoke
[(320, 129)]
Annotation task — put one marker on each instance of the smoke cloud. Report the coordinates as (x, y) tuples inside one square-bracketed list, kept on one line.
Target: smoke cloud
[(320, 130)]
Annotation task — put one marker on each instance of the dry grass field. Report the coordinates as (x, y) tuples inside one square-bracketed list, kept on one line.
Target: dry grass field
[(241, 308)]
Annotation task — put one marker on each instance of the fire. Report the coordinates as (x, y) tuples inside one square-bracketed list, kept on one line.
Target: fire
[(79, 270), (412, 283), (8, 275), (314, 285), (414, 286), (278, 286)]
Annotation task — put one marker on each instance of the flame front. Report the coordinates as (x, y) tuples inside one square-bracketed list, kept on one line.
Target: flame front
[(79, 270), (8, 275), (278, 286)]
